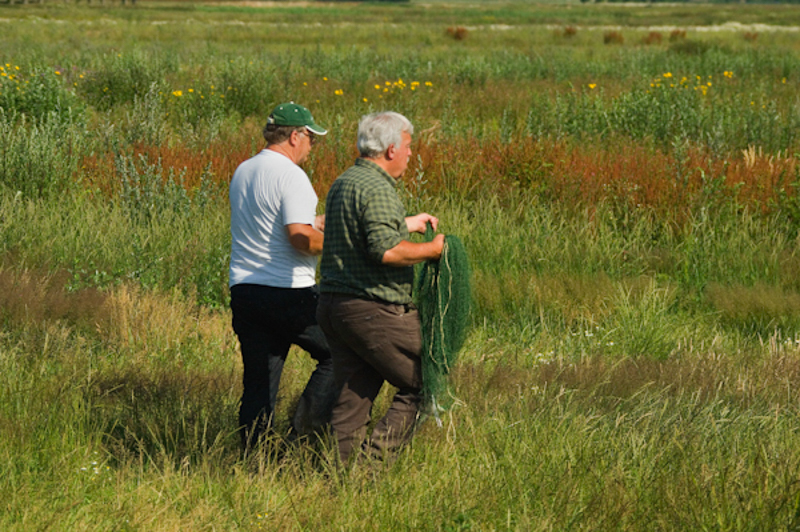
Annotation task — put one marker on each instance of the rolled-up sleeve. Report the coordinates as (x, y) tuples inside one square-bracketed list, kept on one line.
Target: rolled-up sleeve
[(384, 224)]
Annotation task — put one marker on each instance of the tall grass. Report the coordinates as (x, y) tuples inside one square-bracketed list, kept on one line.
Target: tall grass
[(40, 156), (631, 213), (115, 435)]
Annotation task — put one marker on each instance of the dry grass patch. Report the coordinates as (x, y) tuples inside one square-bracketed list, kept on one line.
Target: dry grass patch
[(33, 297), (144, 320), (125, 316), (760, 308)]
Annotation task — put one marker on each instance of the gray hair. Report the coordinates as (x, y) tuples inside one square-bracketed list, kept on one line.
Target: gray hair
[(378, 131)]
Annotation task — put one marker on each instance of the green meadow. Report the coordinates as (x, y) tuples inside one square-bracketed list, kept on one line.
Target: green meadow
[(625, 179)]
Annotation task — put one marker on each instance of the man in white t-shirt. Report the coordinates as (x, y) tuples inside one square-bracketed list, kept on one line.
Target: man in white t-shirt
[(276, 238)]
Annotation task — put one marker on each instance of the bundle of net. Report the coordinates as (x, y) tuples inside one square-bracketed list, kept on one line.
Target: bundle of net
[(443, 296)]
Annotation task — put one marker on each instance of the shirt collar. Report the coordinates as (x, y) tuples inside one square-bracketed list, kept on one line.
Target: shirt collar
[(374, 166)]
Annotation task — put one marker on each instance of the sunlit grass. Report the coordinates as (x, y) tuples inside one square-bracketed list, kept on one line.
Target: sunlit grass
[(630, 210)]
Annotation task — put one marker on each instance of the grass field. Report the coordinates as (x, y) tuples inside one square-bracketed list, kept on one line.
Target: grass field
[(624, 178)]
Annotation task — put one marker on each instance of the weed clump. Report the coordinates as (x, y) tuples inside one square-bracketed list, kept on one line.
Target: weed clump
[(458, 33), (677, 35), (653, 37), (613, 37), (750, 36)]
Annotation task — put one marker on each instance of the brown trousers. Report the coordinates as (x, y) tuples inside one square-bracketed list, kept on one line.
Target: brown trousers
[(372, 342)]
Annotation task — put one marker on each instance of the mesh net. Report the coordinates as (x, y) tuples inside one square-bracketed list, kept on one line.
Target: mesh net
[(443, 297)]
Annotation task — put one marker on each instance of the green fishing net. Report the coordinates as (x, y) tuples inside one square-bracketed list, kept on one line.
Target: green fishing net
[(443, 296)]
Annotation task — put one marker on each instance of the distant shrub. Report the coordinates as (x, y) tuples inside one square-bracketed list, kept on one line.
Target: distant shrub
[(249, 86), (653, 37), (39, 157), (613, 37), (35, 92), (458, 33), (570, 31), (146, 122), (677, 35), (123, 77), (750, 36), (146, 192)]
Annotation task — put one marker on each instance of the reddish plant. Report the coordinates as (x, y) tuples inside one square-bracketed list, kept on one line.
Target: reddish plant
[(458, 33), (653, 37), (613, 37), (677, 35)]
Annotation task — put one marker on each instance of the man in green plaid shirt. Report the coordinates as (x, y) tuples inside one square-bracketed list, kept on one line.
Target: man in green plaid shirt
[(367, 272)]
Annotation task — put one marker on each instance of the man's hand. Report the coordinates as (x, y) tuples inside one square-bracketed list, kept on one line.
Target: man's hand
[(305, 238), (319, 223), (419, 222)]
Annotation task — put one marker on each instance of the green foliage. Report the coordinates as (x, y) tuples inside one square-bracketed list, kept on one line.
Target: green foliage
[(642, 325), (670, 110), (624, 367), (38, 157), (36, 93), (760, 310), (119, 78), (146, 193), (101, 245), (146, 123), (249, 85)]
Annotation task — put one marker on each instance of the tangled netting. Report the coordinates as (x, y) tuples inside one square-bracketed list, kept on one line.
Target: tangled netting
[(443, 296)]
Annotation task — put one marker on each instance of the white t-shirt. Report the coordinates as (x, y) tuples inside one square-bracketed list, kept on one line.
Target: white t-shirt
[(268, 192)]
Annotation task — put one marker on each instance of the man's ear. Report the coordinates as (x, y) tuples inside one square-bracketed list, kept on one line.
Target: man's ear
[(390, 151)]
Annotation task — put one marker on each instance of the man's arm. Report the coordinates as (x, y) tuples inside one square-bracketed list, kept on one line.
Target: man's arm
[(305, 239), (409, 253)]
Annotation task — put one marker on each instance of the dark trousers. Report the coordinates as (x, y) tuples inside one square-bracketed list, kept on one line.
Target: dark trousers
[(267, 321), (372, 342)]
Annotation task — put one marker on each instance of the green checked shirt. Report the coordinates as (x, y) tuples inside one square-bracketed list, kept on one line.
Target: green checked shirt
[(364, 218)]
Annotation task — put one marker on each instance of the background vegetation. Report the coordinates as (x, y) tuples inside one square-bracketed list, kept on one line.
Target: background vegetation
[(625, 181)]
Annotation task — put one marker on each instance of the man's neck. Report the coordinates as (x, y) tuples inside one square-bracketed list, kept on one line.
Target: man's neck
[(382, 162), (284, 150)]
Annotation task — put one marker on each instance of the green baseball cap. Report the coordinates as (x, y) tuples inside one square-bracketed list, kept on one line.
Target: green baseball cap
[(292, 114)]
